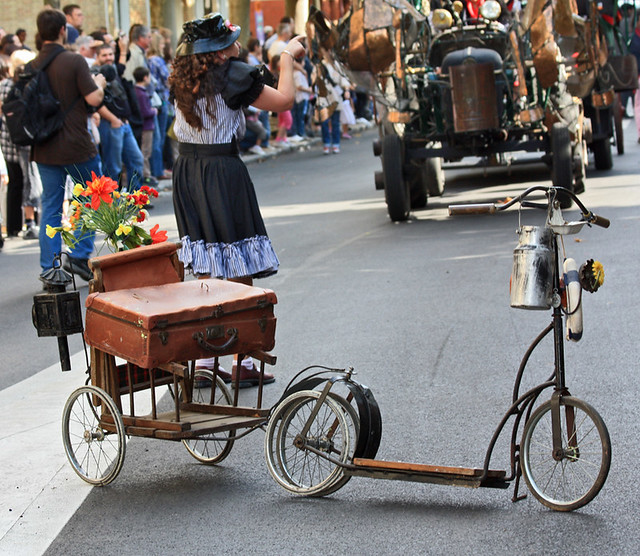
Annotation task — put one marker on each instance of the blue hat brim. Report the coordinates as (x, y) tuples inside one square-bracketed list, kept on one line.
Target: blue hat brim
[(202, 46)]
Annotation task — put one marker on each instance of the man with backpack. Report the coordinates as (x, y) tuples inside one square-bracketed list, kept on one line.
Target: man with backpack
[(70, 151)]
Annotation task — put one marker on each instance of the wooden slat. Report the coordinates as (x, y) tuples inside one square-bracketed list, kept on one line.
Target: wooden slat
[(213, 425), (225, 410), (420, 468), (163, 421), (175, 368)]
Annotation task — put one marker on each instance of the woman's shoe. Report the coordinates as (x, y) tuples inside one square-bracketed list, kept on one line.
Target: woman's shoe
[(204, 382), (250, 377)]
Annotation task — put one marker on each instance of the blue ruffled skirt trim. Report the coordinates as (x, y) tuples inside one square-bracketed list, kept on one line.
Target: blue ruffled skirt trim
[(252, 256)]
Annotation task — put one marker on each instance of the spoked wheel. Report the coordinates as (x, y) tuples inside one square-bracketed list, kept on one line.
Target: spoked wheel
[(353, 422), (562, 162), (572, 478), (288, 447), (396, 188), (210, 448), (95, 453)]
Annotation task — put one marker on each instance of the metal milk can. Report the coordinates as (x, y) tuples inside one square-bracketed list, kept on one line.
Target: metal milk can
[(532, 276)]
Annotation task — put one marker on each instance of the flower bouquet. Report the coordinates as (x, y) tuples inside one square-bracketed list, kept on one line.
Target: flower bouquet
[(100, 207)]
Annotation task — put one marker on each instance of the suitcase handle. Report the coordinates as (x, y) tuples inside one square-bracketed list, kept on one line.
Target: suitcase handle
[(199, 337)]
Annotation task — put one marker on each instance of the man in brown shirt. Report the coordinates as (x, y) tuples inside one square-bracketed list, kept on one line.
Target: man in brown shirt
[(71, 151)]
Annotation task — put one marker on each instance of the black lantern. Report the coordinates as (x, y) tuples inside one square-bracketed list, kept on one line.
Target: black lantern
[(57, 312)]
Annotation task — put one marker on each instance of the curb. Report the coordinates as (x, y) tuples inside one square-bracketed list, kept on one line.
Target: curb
[(250, 158)]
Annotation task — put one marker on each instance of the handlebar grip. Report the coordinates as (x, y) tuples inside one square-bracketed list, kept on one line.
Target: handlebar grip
[(475, 208), (600, 221)]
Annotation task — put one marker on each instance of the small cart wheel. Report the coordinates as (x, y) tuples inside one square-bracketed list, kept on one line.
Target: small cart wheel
[(214, 447), (572, 478), (299, 463), (93, 435)]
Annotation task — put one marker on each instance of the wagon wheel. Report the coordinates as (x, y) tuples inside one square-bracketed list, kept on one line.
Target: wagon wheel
[(617, 124), (396, 188), (562, 163), (93, 435), (214, 447)]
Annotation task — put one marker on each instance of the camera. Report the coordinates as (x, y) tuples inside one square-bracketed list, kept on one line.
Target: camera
[(107, 70)]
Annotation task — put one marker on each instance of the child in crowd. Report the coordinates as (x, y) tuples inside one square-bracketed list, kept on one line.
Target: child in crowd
[(285, 120), (148, 113)]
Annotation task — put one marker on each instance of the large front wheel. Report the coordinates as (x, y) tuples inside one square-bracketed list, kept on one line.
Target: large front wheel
[(93, 435), (571, 477)]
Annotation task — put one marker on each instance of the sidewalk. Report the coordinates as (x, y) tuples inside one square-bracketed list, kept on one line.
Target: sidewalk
[(249, 158)]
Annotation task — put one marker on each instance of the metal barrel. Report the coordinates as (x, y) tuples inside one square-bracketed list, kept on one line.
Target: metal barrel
[(473, 91), (532, 276)]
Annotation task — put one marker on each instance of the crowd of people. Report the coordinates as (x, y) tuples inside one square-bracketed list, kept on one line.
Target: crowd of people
[(131, 129), (125, 133)]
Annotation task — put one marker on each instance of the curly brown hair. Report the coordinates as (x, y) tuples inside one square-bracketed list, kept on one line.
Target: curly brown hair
[(193, 77)]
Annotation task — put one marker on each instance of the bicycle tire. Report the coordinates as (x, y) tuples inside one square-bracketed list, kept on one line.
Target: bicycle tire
[(574, 479)]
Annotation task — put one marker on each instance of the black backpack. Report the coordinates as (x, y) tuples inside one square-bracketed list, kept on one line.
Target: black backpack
[(33, 114)]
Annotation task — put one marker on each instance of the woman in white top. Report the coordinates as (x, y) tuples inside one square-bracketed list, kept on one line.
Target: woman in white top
[(219, 221)]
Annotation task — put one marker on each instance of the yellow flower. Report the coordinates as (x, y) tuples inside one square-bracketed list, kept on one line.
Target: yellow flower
[(116, 194), (76, 203), (78, 189), (51, 231), (123, 229), (598, 272)]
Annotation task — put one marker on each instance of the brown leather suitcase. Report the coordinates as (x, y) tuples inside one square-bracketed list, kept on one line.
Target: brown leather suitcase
[(180, 321)]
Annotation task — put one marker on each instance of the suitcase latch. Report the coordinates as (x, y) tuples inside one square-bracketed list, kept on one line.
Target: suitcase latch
[(214, 332)]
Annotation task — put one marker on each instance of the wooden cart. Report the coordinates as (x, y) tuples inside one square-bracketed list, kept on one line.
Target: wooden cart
[(141, 311)]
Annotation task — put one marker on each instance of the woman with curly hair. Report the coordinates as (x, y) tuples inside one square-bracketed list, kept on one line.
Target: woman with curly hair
[(219, 221)]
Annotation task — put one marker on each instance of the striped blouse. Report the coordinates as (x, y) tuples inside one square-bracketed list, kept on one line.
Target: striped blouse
[(227, 124)]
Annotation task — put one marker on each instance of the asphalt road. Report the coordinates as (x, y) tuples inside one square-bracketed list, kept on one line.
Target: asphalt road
[(421, 311)]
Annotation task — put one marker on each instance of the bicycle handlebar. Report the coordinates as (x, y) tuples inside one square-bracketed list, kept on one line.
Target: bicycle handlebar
[(599, 220), (490, 208), (476, 208)]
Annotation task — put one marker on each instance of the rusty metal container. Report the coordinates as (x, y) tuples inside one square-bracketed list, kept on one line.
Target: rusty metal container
[(368, 50), (473, 91), (532, 275)]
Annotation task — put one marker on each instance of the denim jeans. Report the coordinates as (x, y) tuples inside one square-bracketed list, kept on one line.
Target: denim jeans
[(299, 112), (264, 120), (331, 136), (159, 134), (118, 146), (53, 183)]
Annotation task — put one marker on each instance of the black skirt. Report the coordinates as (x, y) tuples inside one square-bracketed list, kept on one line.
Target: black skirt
[(219, 221)]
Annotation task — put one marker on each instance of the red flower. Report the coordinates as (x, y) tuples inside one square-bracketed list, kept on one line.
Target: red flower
[(100, 189), (149, 190), (157, 236), (141, 216), (140, 199)]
